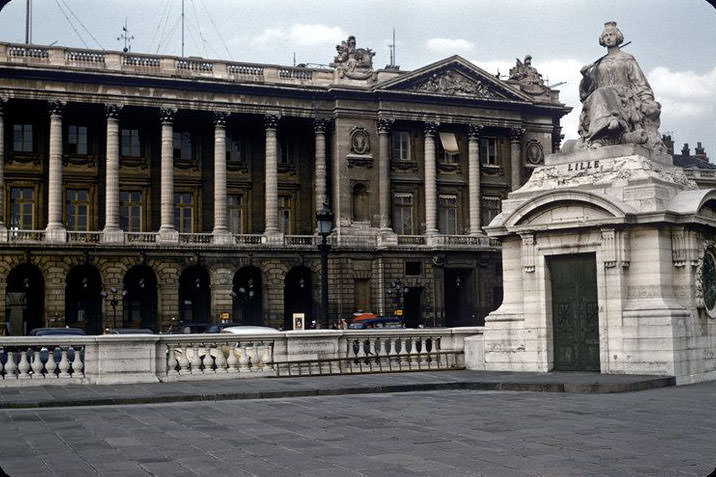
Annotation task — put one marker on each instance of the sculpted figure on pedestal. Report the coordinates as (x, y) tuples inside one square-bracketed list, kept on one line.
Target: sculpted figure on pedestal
[(355, 63), (618, 105)]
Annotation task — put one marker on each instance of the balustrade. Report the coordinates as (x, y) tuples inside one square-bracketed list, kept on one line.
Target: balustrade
[(41, 364)]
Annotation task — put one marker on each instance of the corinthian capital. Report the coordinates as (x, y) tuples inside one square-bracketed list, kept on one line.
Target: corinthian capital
[(474, 130), (271, 121), (56, 107), (111, 111), (384, 125), (430, 128), (219, 118), (167, 115)]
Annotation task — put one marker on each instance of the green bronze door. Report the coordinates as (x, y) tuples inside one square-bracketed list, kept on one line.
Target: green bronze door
[(575, 317)]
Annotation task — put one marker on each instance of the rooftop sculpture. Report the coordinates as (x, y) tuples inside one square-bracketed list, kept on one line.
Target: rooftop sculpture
[(352, 62), (618, 105)]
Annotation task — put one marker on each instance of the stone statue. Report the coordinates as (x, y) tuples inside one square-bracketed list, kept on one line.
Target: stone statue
[(526, 73), (618, 105), (355, 63)]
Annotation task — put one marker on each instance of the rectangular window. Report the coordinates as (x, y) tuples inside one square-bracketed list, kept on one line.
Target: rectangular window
[(22, 138), (22, 208), (77, 206), (233, 150), (401, 146), (413, 268), (490, 209), (403, 214), (448, 214), (285, 157), (130, 145), (76, 139), (488, 151), (130, 210), (284, 214), (184, 212), (450, 152), (236, 214), (182, 146)]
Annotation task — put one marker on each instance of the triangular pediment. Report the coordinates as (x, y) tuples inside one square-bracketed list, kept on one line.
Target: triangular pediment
[(454, 76)]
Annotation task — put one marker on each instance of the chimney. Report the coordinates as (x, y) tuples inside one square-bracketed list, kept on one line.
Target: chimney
[(700, 153), (685, 151), (669, 143)]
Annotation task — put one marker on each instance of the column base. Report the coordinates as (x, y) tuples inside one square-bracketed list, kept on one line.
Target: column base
[(3, 234), (272, 238), (222, 237), (168, 235), (55, 234), (113, 236)]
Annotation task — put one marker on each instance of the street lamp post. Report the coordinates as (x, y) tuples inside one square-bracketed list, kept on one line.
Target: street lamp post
[(114, 301), (397, 292), (244, 296), (324, 219)]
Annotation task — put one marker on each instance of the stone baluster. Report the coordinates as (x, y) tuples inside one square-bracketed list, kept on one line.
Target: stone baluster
[(413, 351), (232, 361), (195, 360), (50, 365), (243, 358), (372, 355), (77, 364), (221, 230), (384, 125), (271, 180), (55, 231), (404, 359), (112, 232), (254, 357), (220, 360), (394, 354), (422, 360), (473, 172), (431, 185), (172, 362), (516, 156), (321, 191), (184, 362), (36, 365), (64, 365), (167, 231), (266, 357), (10, 365), (207, 361)]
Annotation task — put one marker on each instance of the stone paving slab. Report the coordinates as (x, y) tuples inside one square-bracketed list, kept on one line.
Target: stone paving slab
[(258, 388)]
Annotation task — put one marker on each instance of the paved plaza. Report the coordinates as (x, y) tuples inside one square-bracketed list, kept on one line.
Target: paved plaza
[(665, 431)]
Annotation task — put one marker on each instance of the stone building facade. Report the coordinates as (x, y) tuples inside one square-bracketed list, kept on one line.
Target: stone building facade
[(144, 191)]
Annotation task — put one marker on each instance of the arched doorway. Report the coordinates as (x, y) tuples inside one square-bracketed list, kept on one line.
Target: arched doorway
[(460, 297), (297, 296), (247, 303), (83, 299), (194, 295), (24, 299), (140, 301)]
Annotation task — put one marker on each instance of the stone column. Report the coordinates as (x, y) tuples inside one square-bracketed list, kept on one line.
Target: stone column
[(221, 230), (431, 187), (112, 232), (271, 184), (3, 227), (167, 232), (473, 173), (516, 156), (319, 128), (55, 231), (384, 126)]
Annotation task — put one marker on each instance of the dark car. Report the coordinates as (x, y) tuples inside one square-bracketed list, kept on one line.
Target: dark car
[(130, 331), (188, 328), (364, 322), (57, 331)]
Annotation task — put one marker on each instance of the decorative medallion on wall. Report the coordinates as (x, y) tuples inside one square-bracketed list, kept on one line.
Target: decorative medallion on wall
[(706, 282), (534, 153), (360, 149)]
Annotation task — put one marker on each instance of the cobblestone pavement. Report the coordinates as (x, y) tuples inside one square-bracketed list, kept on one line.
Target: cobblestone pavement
[(667, 431)]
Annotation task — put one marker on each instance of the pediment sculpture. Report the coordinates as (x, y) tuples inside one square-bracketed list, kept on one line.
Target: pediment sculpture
[(352, 62), (451, 82), (618, 105)]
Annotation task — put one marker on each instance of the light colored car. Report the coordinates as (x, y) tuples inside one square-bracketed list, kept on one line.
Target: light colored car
[(250, 330)]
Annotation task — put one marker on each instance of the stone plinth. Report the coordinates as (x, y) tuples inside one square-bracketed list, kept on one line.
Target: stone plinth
[(648, 229)]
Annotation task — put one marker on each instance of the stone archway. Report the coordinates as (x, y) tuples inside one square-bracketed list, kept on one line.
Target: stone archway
[(83, 299), (247, 296), (24, 299), (297, 296), (194, 295), (140, 301)]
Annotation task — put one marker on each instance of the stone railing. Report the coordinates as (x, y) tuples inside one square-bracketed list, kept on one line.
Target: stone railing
[(84, 237), (411, 239), (111, 359), (300, 240), (140, 237), (160, 65), (17, 235), (196, 239)]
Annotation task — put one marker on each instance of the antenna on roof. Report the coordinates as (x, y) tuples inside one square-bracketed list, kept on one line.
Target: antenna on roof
[(294, 58), (391, 47), (28, 21), (126, 37)]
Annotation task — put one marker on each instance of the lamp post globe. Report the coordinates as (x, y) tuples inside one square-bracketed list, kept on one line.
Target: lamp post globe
[(324, 222)]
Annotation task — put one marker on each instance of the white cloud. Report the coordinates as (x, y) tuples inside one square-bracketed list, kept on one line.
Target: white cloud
[(684, 94), (449, 47), (300, 34)]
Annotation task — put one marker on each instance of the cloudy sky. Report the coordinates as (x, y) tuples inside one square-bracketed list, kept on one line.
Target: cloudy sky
[(674, 41)]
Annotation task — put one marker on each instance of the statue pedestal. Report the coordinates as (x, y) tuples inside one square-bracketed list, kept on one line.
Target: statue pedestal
[(602, 254)]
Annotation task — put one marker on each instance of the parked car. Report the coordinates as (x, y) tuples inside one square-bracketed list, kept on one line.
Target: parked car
[(364, 321), (57, 331), (249, 330), (187, 328), (129, 331)]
